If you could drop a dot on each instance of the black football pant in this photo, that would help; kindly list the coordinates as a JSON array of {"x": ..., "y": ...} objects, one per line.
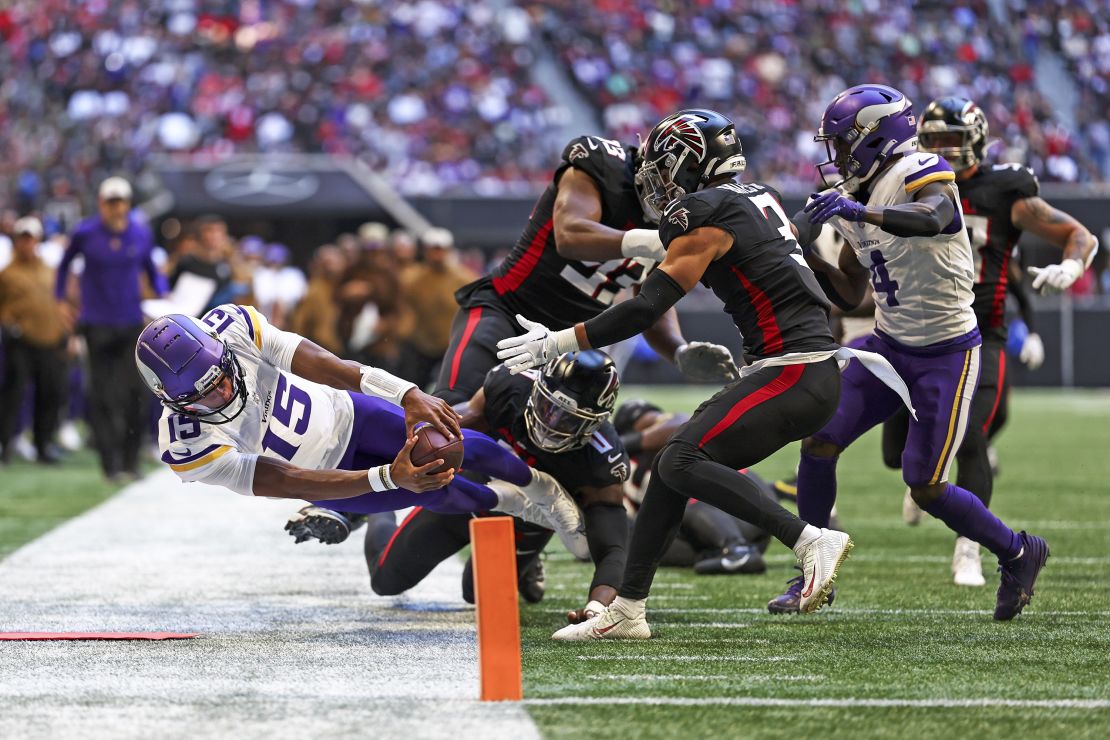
[
  {"x": 472, "y": 352},
  {"x": 25, "y": 363},
  {"x": 989, "y": 409},
  {"x": 738, "y": 427},
  {"x": 118, "y": 400},
  {"x": 399, "y": 557}
]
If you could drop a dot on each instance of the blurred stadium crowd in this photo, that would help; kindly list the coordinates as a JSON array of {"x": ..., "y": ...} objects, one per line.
[{"x": 439, "y": 95}]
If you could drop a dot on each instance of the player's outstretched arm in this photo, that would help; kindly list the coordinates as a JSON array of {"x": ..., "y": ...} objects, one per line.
[
  {"x": 687, "y": 259},
  {"x": 473, "y": 412},
  {"x": 579, "y": 233},
  {"x": 701, "y": 362},
  {"x": 278, "y": 479},
  {"x": 845, "y": 283},
  {"x": 313, "y": 362},
  {"x": 607, "y": 537},
  {"x": 1058, "y": 228},
  {"x": 931, "y": 210}
]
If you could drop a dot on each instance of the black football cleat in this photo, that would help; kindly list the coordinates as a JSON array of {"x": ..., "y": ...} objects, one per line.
[
  {"x": 532, "y": 584},
  {"x": 735, "y": 559},
  {"x": 1018, "y": 577},
  {"x": 786, "y": 489},
  {"x": 325, "y": 525}
]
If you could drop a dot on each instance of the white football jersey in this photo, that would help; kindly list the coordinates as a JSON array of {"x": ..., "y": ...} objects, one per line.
[
  {"x": 286, "y": 416},
  {"x": 922, "y": 284}
]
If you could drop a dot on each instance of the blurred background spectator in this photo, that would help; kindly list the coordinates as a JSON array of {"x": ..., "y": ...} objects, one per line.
[
  {"x": 34, "y": 336},
  {"x": 201, "y": 277},
  {"x": 317, "y": 315}
]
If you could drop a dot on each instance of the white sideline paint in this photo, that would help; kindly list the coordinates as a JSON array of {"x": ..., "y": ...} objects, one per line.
[
  {"x": 752, "y": 701},
  {"x": 696, "y": 658},
  {"x": 293, "y": 642},
  {"x": 852, "y": 611}
]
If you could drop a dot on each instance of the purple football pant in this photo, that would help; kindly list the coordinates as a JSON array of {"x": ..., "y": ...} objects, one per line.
[
  {"x": 941, "y": 388},
  {"x": 377, "y": 436}
]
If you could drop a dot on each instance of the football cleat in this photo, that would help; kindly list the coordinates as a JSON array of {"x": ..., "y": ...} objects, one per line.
[
  {"x": 787, "y": 602},
  {"x": 821, "y": 559},
  {"x": 547, "y": 505},
  {"x": 1018, "y": 577},
  {"x": 967, "y": 567},
  {"x": 912, "y": 514},
  {"x": 786, "y": 488},
  {"x": 610, "y": 624},
  {"x": 735, "y": 559},
  {"x": 531, "y": 583},
  {"x": 325, "y": 525}
]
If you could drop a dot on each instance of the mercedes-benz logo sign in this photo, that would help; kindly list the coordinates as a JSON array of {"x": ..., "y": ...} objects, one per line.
[{"x": 258, "y": 185}]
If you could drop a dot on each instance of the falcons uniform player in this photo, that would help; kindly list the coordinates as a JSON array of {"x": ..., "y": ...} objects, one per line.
[
  {"x": 999, "y": 201},
  {"x": 735, "y": 238},
  {"x": 266, "y": 412},
  {"x": 587, "y": 239},
  {"x": 901, "y": 217}
]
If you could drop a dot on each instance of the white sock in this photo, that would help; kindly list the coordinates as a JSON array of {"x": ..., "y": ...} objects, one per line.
[
  {"x": 629, "y": 607},
  {"x": 809, "y": 534}
]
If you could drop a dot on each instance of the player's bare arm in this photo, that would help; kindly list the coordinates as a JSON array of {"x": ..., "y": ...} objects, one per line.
[
  {"x": 473, "y": 412},
  {"x": 1058, "y": 228},
  {"x": 579, "y": 233},
  {"x": 845, "y": 283},
  {"x": 313, "y": 362},
  {"x": 278, "y": 479}
]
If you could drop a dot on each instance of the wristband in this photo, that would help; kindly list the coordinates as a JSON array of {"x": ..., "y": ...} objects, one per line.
[
  {"x": 643, "y": 243},
  {"x": 380, "y": 479},
  {"x": 377, "y": 382}
]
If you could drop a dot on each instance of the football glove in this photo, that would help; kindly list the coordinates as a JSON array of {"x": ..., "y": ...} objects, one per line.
[
  {"x": 644, "y": 244},
  {"x": 704, "y": 362},
  {"x": 1032, "y": 352},
  {"x": 1056, "y": 278},
  {"x": 833, "y": 203},
  {"x": 536, "y": 347}
]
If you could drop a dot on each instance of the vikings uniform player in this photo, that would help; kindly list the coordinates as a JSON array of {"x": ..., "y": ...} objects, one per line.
[
  {"x": 266, "y": 412},
  {"x": 586, "y": 240},
  {"x": 999, "y": 201},
  {"x": 735, "y": 238},
  {"x": 900, "y": 214}
]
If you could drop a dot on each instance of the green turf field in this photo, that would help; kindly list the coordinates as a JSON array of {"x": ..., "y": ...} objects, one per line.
[
  {"x": 900, "y": 633},
  {"x": 35, "y": 498}
]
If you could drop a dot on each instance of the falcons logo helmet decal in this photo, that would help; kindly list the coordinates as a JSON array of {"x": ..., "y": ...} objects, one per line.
[
  {"x": 680, "y": 217},
  {"x": 683, "y": 131},
  {"x": 577, "y": 152}
]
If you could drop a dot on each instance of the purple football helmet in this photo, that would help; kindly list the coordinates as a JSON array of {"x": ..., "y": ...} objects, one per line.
[
  {"x": 191, "y": 371},
  {"x": 864, "y": 127}
]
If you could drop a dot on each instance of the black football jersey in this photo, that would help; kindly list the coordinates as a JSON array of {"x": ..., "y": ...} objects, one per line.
[
  {"x": 601, "y": 462},
  {"x": 534, "y": 280},
  {"x": 771, "y": 294},
  {"x": 988, "y": 197}
]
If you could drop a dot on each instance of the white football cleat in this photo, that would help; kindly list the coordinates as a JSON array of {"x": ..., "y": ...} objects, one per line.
[
  {"x": 563, "y": 514},
  {"x": 610, "y": 624},
  {"x": 967, "y": 567},
  {"x": 912, "y": 514},
  {"x": 512, "y": 500},
  {"x": 820, "y": 561}
]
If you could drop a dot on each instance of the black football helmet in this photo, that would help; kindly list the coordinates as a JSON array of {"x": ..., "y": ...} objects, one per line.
[
  {"x": 630, "y": 412},
  {"x": 956, "y": 129},
  {"x": 573, "y": 396},
  {"x": 682, "y": 154}
]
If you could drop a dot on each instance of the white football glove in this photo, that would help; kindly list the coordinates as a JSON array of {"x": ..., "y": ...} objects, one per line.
[
  {"x": 536, "y": 347},
  {"x": 1056, "y": 278},
  {"x": 643, "y": 243},
  {"x": 705, "y": 362},
  {"x": 1032, "y": 352}
]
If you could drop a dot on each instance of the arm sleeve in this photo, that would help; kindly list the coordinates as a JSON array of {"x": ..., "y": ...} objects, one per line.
[
  {"x": 659, "y": 292},
  {"x": 62, "y": 275},
  {"x": 216, "y": 465}
]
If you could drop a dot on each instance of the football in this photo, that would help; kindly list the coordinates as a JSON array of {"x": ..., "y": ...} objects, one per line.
[{"x": 432, "y": 445}]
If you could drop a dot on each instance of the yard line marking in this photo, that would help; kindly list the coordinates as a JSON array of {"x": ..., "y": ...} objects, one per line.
[
  {"x": 725, "y": 658},
  {"x": 752, "y": 701},
  {"x": 718, "y": 640},
  {"x": 688, "y": 677},
  {"x": 705, "y": 625},
  {"x": 860, "y": 610}
]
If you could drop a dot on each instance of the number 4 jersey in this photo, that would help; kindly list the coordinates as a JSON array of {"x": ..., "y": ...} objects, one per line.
[
  {"x": 534, "y": 280},
  {"x": 922, "y": 284},
  {"x": 285, "y": 417}
]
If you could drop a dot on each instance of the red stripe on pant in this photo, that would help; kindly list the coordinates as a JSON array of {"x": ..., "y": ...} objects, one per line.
[
  {"x": 778, "y": 385},
  {"x": 388, "y": 545},
  {"x": 1001, "y": 390},
  {"x": 472, "y": 320}
]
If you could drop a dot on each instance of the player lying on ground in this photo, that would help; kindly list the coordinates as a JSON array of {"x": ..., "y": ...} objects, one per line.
[
  {"x": 899, "y": 212},
  {"x": 734, "y": 237},
  {"x": 588, "y": 238},
  {"x": 709, "y": 540},
  {"x": 268, "y": 413},
  {"x": 1000, "y": 202},
  {"x": 557, "y": 420}
]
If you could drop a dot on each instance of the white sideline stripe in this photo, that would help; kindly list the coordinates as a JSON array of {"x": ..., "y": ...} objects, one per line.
[
  {"x": 686, "y": 677},
  {"x": 287, "y": 631},
  {"x": 752, "y": 701},
  {"x": 894, "y": 559},
  {"x": 697, "y": 658},
  {"x": 850, "y": 610}
]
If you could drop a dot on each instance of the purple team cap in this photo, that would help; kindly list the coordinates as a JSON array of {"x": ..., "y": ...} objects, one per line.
[
  {"x": 277, "y": 253},
  {"x": 252, "y": 246}
]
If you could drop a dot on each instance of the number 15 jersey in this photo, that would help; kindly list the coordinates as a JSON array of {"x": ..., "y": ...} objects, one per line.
[
  {"x": 922, "y": 284},
  {"x": 286, "y": 417}
]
